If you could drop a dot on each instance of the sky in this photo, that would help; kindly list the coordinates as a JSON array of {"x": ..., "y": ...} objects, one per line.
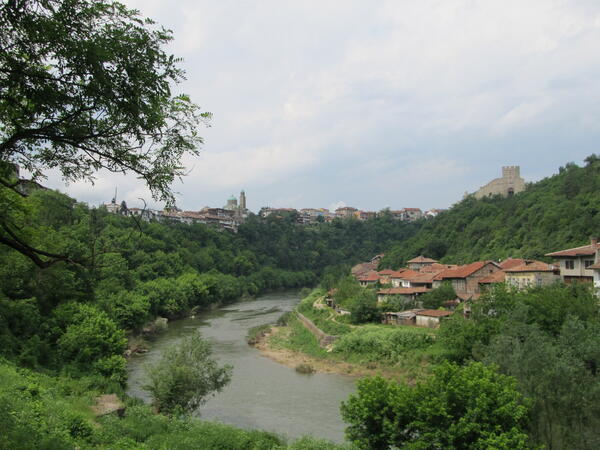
[{"x": 375, "y": 104}]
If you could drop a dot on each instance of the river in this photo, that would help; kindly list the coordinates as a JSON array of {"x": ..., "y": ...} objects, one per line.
[{"x": 262, "y": 394}]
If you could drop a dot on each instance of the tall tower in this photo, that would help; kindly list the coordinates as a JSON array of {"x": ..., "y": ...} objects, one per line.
[{"x": 243, "y": 201}]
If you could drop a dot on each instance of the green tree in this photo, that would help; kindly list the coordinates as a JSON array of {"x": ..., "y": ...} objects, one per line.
[
  {"x": 93, "y": 341},
  {"x": 437, "y": 297},
  {"x": 87, "y": 85},
  {"x": 456, "y": 408},
  {"x": 185, "y": 376}
]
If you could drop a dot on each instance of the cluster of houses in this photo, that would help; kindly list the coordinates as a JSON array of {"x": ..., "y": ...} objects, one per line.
[
  {"x": 312, "y": 215},
  {"x": 229, "y": 217},
  {"x": 580, "y": 264}
]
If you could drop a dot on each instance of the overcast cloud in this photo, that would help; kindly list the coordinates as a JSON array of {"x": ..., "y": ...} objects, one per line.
[{"x": 375, "y": 104}]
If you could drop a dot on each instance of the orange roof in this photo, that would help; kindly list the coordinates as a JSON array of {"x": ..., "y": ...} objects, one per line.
[
  {"x": 405, "y": 274},
  {"x": 422, "y": 259},
  {"x": 424, "y": 277},
  {"x": 533, "y": 266},
  {"x": 585, "y": 250},
  {"x": 387, "y": 272},
  {"x": 496, "y": 277},
  {"x": 403, "y": 290},
  {"x": 464, "y": 271},
  {"x": 595, "y": 266},
  {"x": 369, "y": 276},
  {"x": 437, "y": 267},
  {"x": 362, "y": 268},
  {"x": 434, "y": 313},
  {"x": 509, "y": 263}
]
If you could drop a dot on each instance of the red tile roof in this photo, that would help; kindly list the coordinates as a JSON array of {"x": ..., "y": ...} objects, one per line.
[
  {"x": 496, "y": 277},
  {"x": 585, "y": 250},
  {"x": 434, "y": 313},
  {"x": 369, "y": 276},
  {"x": 595, "y": 266},
  {"x": 509, "y": 263},
  {"x": 405, "y": 274},
  {"x": 362, "y": 268},
  {"x": 422, "y": 259},
  {"x": 464, "y": 271},
  {"x": 403, "y": 291},
  {"x": 387, "y": 272},
  {"x": 437, "y": 267},
  {"x": 533, "y": 266},
  {"x": 424, "y": 278}
]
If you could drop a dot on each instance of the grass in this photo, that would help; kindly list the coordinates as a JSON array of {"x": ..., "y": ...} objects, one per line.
[
  {"x": 255, "y": 333},
  {"x": 299, "y": 339},
  {"x": 403, "y": 349}
]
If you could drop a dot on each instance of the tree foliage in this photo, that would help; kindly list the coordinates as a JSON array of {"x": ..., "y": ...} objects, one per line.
[
  {"x": 185, "y": 376},
  {"x": 456, "y": 408},
  {"x": 87, "y": 85}
]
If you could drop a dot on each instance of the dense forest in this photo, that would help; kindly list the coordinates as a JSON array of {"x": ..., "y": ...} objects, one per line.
[{"x": 560, "y": 211}]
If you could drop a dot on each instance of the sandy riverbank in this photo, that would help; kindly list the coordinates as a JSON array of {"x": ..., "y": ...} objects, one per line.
[{"x": 293, "y": 359}]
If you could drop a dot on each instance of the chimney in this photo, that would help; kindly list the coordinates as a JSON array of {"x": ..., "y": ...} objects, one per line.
[{"x": 594, "y": 242}]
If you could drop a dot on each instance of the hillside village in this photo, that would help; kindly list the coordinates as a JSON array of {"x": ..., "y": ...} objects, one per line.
[{"x": 422, "y": 275}]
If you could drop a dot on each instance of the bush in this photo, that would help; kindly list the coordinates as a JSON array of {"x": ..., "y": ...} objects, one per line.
[
  {"x": 92, "y": 336},
  {"x": 185, "y": 376}
]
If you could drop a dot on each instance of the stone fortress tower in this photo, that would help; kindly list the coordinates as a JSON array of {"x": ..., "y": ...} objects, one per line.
[{"x": 510, "y": 183}]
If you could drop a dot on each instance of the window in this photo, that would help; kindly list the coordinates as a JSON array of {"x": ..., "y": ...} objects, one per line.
[
  {"x": 588, "y": 262},
  {"x": 569, "y": 264}
]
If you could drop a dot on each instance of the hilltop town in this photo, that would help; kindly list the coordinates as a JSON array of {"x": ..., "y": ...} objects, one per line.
[{"x": 234, "y": 212}]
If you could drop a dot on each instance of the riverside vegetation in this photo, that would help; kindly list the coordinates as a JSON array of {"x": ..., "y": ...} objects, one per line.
[
  {"x": 77, "y": 282},
  {"x": 521, "y": 372}
]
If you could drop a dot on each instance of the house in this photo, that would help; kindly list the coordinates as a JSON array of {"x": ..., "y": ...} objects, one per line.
[
  {"x": 494, "y": 278},
  {"x": 345, "y": 212},
  {"x": 407, "y": 293},
  {"x": 422, "y": 279},
  {"x": 431, "y": 318},
  {"x": 465, "y": 279},
  {"x": 596, "y": 269},
  {"x": 532, "y": 273},
  {"x": 575, "y": 263},
  {"x": 509, "y": 263},
  {"x": 401, "y": 278},
  {"x": 437, "y": 268},
  {"x": 368, "y": 279},
  {"x": 419, "y": 262},
  {"x": 363, "y": 268},
  {"x": 408, "y": 317},
  {"x": 411, "y": 214},
  {"x": 384, "y": 276}
]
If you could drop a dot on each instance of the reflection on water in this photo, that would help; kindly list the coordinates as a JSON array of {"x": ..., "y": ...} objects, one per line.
[{"x": 262, "y": 393}]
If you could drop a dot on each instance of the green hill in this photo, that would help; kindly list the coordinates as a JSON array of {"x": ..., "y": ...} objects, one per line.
[{"x": 557, "y": 212}]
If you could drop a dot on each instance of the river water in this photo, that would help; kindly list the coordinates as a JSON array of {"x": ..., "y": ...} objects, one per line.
[{"x": 262, "y": 394}]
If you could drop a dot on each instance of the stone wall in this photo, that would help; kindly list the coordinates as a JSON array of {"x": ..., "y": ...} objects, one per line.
[
  {"x": 323, "y": 338},
  {"x": 510, "y": 183}
]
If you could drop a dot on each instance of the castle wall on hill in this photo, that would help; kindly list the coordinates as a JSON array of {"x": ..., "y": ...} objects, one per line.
[{"x": 510, "y": 183}]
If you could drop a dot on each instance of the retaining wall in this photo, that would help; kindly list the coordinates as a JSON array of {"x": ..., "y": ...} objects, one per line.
[{"x": 323, "y": 338}]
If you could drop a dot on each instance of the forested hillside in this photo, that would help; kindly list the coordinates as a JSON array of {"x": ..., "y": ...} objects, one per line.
[{"x": 557, "y": 212}]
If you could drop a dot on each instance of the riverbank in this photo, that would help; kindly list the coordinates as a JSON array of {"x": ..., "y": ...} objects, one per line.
[
  {"x": 394, "y": 352},
  {"x": 293, "y": 359}
]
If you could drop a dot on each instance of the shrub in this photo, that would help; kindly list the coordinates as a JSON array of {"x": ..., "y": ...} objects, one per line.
[{"x": 185, "y": 376}]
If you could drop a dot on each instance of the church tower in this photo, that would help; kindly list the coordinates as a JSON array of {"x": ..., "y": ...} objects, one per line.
[{"x": 243, "y": 201}]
